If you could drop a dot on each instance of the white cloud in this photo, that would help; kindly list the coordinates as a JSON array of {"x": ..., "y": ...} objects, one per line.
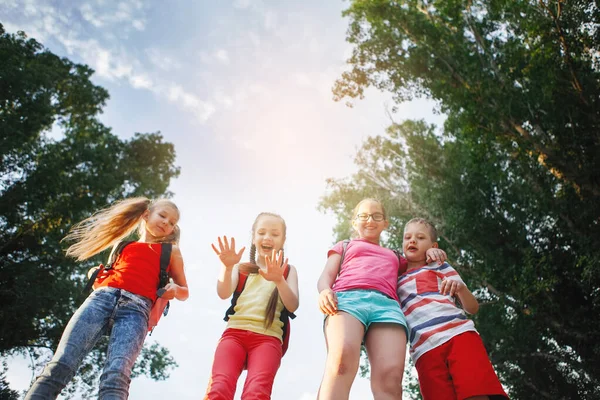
[
  {"x": 103, "y": 14},
  {"x": 108, "y": 54},
  {"x": 201, "y": 109},
  {"x": 161, "y": 60},
  {"x": 140, "y": 81}
]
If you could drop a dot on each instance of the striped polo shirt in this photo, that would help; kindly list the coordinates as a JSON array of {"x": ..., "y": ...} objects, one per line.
[{"x": 432, "y": 318}]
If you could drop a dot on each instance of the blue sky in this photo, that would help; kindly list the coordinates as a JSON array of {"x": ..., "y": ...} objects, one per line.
[{"x": 243, "y": 90}]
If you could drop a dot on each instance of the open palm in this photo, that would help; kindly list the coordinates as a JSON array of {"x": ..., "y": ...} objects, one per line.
[
  {"x": 226, "y": 252},
  {"x": 276, "y": 266}
]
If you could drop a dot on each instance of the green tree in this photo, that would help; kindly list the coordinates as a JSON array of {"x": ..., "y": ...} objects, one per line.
[
  {"x": 46, "y": 185},
  {"x": 511, "y": 179}
]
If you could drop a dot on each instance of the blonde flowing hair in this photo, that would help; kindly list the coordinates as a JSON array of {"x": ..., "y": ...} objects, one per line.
[
  {"x": 109, "y": 226},
  {"x": 252, "y": 268}
]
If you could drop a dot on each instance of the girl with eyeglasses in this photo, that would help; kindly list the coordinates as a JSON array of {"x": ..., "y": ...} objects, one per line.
[{"x": 357, "y": 294}]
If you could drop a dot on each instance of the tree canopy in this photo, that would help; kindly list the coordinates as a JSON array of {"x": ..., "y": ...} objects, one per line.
[
  {"x": 58, "y": 165},
  {"x": 511, "y": 179}
]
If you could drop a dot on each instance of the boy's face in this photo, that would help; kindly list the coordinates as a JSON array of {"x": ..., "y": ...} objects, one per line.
[{"x": 417, "y": 240}]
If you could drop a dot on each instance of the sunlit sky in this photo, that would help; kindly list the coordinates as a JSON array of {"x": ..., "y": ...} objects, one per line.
[{"x": 243, "y": 90}]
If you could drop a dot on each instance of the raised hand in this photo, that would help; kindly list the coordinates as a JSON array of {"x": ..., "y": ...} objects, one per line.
[
  {"x": 227, "y": 254},
  {"x": 275, "y": 266}
]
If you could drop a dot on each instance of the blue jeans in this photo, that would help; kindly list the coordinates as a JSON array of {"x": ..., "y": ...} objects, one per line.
[{"x": 121, "y": 313}]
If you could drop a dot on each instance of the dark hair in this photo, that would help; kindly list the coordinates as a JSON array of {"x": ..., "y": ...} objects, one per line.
[{"x": 252, "y": 268}]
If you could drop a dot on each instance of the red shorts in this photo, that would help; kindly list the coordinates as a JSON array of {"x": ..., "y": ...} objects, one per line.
[{"x": 457, "y": 370}]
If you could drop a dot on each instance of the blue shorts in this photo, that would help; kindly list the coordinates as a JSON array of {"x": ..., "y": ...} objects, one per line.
[{"x": 371, "y": 306}]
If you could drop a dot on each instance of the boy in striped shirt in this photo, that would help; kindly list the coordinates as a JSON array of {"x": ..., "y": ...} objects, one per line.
[{"x": 448, "y": 353}]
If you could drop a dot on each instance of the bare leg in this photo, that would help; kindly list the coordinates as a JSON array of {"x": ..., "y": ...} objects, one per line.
[
  {"x": 343, "y": 334},
  {"x": 386, "y": 348}
]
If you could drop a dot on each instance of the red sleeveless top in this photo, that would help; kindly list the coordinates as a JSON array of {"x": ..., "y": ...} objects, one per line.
[{"x": 136, "y": 270}]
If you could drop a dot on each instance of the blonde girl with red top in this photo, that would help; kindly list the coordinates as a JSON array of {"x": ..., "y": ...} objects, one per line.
[
  {"x": 254, "y": 333},
  {"x": 123, "y": 296}
]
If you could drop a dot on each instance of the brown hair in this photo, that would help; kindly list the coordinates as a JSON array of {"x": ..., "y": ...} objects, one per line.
[
  {"x": 252, "y": 268},
  {"x": 110, "y": 225},
  {"x": 429, "y": 225}
]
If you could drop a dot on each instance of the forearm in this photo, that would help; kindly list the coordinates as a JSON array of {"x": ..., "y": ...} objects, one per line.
[
  {"x": 182, "y": 293},
  {"x": 468, "y": 301},
  {"x": 224, "y": 286},
  {"x": 289, "y": 298},
  {"x": 325, "y": 282}
]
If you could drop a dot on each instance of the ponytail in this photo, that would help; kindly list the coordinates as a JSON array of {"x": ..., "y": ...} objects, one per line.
[{"x": 106, "y": 227}]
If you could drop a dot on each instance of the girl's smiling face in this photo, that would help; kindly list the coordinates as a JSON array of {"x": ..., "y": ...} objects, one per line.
[
  {"x": 364, "y": 221},
  {"x": 268, "y": 235}
]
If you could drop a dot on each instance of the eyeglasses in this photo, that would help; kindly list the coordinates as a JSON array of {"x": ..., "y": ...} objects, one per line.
[{"x": 375, "y": 217}]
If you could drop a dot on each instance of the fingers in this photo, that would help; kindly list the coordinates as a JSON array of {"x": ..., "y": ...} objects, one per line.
[
  {"x": 328, "y": 302},
  {"x": 215, "y": 249},
  {"x": 449, "y": 287},
  {"x": 226, "y": 243},
  {"x": 239, "y": 254},
  {"x": 275, "y": 259}
]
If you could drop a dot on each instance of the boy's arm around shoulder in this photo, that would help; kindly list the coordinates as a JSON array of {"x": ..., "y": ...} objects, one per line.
[
  {"x": 288, "y": 290},
  {"x": 179, "y": 287}
]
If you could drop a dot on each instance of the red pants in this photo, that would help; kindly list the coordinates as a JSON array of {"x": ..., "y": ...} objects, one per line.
[
  {"x": 457, "y": 370},
  {"x": 262, "y": 355}
]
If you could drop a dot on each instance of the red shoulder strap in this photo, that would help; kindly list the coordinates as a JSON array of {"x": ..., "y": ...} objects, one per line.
[{"x": 242, "y": 278}]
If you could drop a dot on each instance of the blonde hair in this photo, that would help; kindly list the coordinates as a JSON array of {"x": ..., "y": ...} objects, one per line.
[
  {"x": 109, "y": 226},
  {"x": 252, "y": 268},
  {"x": 355, "y": 210},
  {"x": 432, "y": 230}
]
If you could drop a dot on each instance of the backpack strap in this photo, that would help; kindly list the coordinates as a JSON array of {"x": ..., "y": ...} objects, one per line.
[
  {"x": 114, "y": 254},
  {"x": 242, "y": 279},
  {"x": 344, "y": 248},
  {"x": 163, "y": 275}
]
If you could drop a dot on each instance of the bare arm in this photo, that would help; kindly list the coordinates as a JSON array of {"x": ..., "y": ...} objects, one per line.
[
  {"x": 457, "y": 287},
  {"x": 468, "y": 301},
  {"x": 227, "y": 281},
  {"x": 177, "y": 289},
  {"x": 329, "y": 273},
  {"x": 327, "y": 297},
  {"x": 228, "y": 275},
  {"x": 288, "y": 290}
]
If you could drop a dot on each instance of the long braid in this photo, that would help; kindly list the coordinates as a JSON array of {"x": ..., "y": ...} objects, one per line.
[
  {"x": 252, "y": 268},
  {"x": 253, "y": 253}
]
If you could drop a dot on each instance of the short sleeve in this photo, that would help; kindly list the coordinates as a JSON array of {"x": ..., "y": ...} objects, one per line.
[{"x": 336, "y": 249}]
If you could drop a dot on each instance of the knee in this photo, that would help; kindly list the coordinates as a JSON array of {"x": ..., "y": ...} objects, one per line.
[
  {"x": 114, "y": 381},
  {"x": 387, "y": 383},
  {"x": 220, "y": 387},
  {"x": 343, "y": 362}
]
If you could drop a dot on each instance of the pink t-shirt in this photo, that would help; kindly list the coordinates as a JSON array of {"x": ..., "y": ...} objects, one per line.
[{"x": 368, "y": 266}]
